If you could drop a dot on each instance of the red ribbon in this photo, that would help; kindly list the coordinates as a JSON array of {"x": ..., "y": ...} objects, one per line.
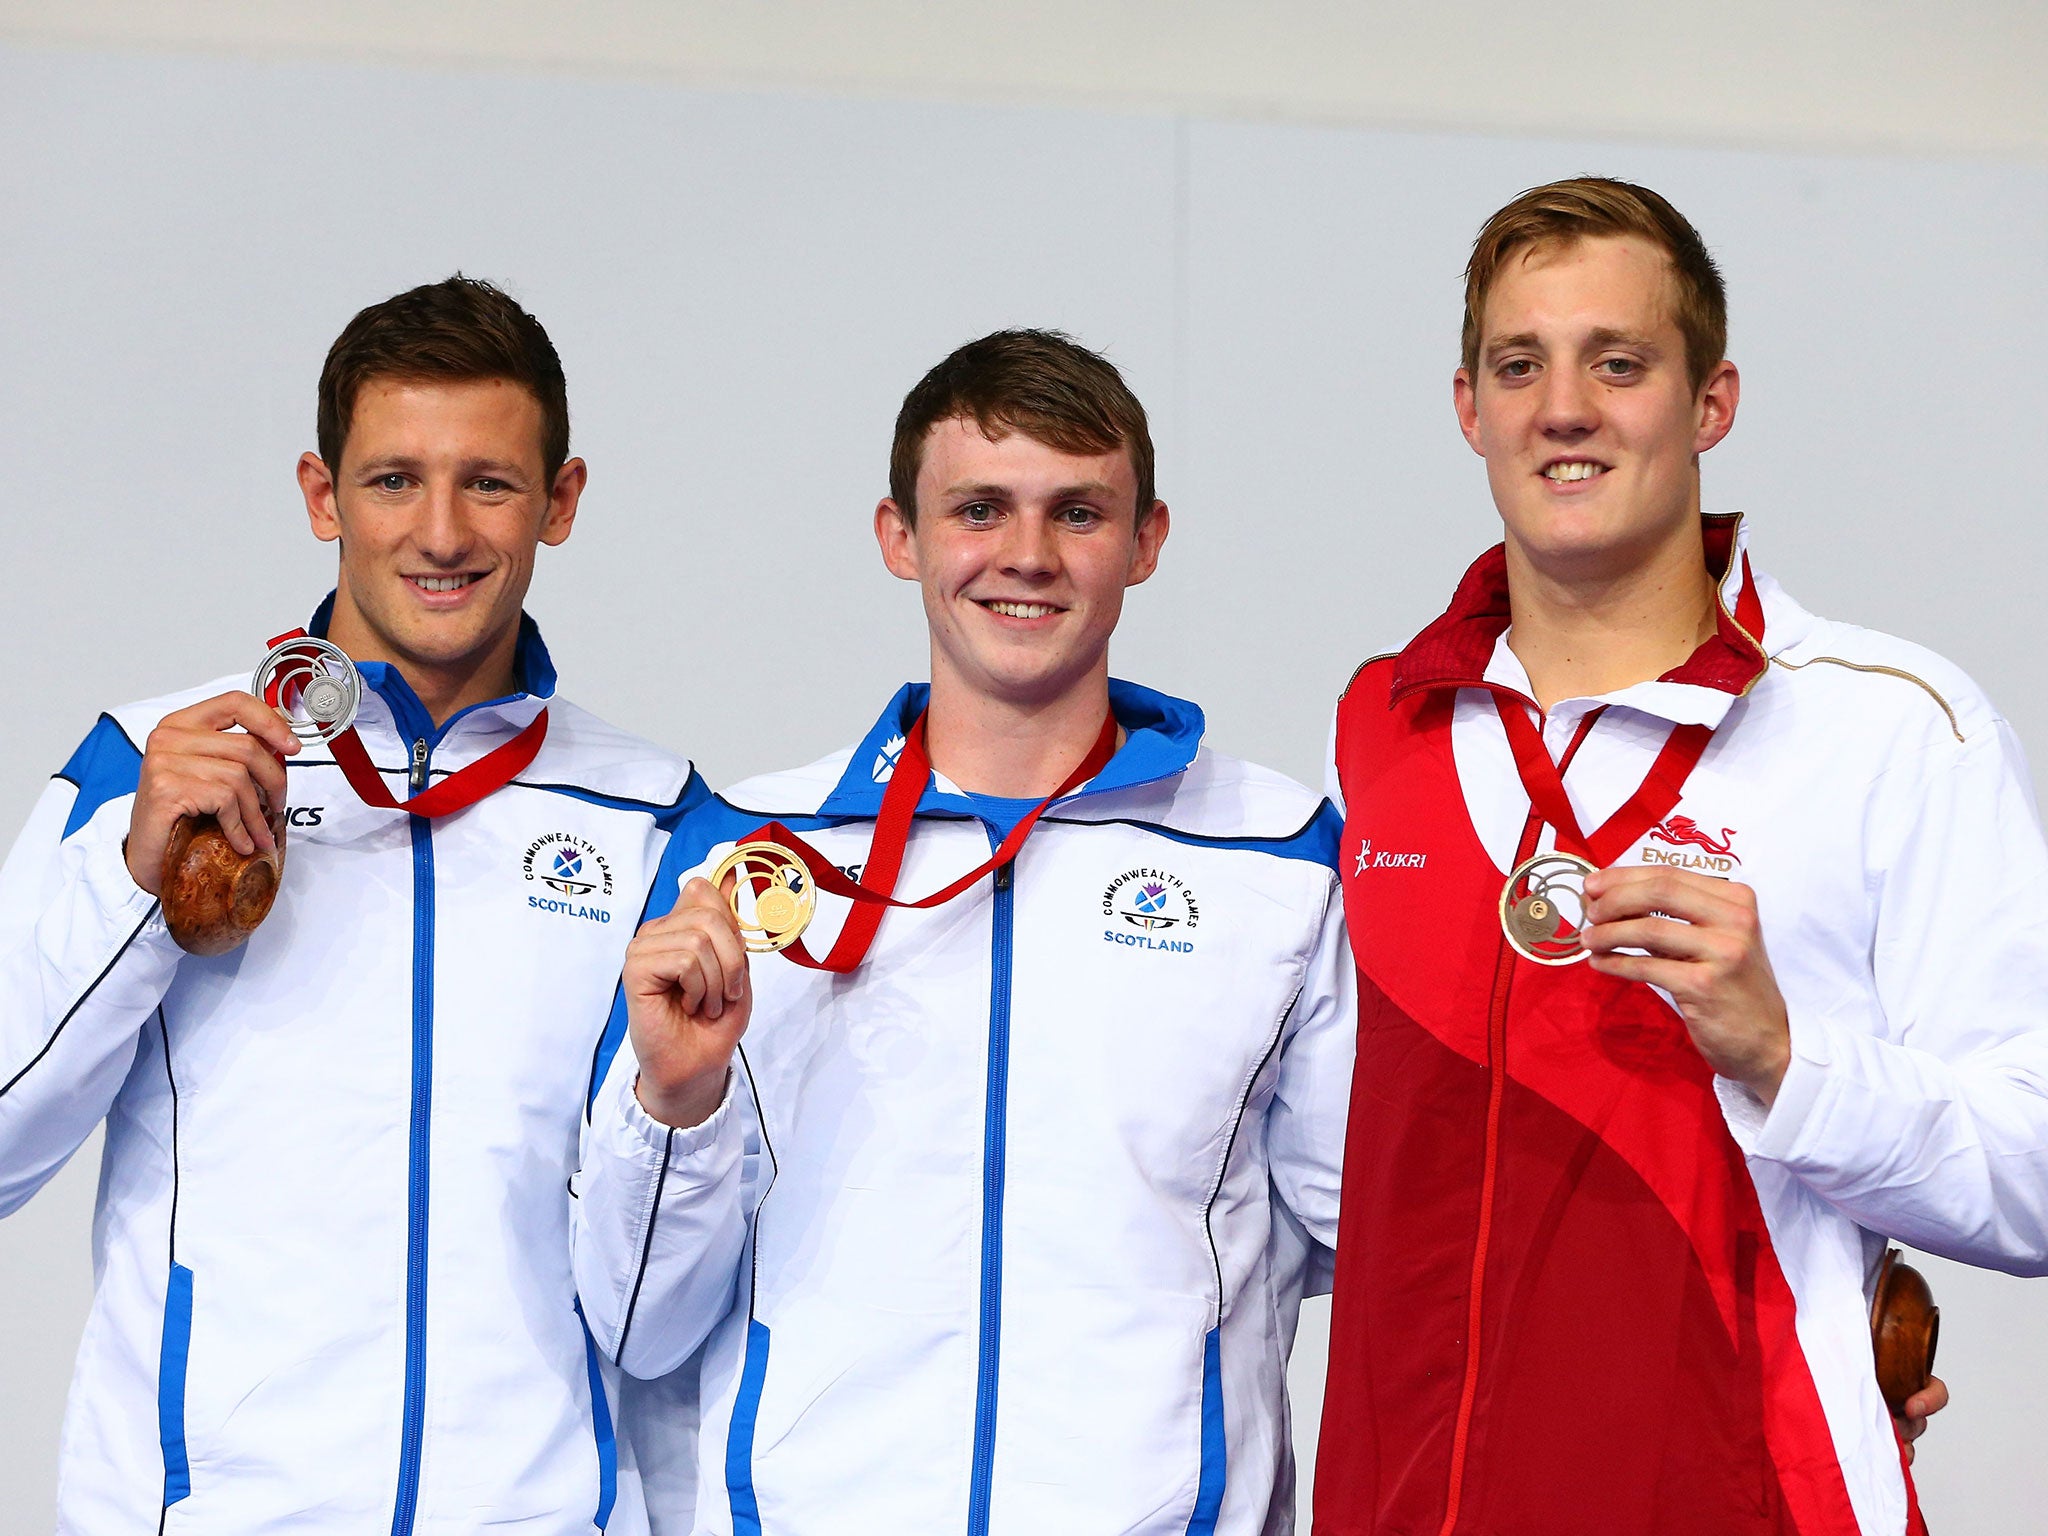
[
  {"x": 874, "y": 893},
  {"x": 461, "y": 789},
  {"x": 1654, "y": 797}
]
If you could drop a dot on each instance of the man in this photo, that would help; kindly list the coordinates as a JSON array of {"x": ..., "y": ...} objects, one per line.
[
  {"x": 332, "y": 1257},
  {"x": 1610, "y": 1228},
  {"x": 999, "y": 1228}
]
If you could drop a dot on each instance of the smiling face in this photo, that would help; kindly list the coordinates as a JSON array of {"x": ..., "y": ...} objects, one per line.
[
  {"x": 1582, "y": 407},
  {"x": 439, "y": 503},
  {"x": 1023, "y": 553}
]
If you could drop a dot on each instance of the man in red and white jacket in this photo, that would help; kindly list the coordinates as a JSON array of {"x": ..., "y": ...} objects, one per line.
[{"x": 1802, "y": 865}]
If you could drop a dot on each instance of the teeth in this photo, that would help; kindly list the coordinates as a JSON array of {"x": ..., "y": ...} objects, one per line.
[
  {"x": 1579, "y": 470},
  {"x": 441, "y": 583},
  {"x": 1023, "y": 610}
]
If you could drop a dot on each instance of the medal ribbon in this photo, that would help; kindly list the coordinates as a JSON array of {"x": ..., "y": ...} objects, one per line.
[
  {"x": 1654, "y": 797},
  {"x": 463, "y": 788},
  {"x": 874, "y": 893}
]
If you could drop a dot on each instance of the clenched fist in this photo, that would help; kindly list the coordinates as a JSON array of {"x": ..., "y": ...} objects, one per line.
[
  {"x": 196, "y": 764},
  {"x": 688, "y": 998}
]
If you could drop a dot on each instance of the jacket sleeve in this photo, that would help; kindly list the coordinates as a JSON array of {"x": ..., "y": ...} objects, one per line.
[
  {"x": 1305, "y": 1124},
  {"x": 85, "y": 960},
  {"x": 1921, "y": 1109},
  {"x": 660, "y": 1216}
]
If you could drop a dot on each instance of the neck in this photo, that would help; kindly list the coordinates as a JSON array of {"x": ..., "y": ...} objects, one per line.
[
  {"x": 1581, "y": 634},
  {"x": 445, "y": 689},
  {"x": 1019, "y": 751}
]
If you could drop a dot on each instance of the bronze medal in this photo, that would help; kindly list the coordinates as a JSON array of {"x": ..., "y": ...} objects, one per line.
[{"x": 1543, "y": 907}]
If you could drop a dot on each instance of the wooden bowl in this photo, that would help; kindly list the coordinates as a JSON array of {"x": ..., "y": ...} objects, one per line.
[{"x": 213, "y": 897}]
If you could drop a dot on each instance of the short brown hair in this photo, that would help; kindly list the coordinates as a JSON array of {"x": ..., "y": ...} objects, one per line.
[
  {"x": 1041, "y": 383},
  {"x": 457, "y": 329},
  {"x": 1568, "y": 211}
]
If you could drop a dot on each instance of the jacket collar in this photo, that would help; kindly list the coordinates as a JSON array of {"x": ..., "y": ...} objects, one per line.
[
  {"x": 1161, "y": 736},
  {"x": 533, "y": 668},
  {"x": 1465, "y": 646}
]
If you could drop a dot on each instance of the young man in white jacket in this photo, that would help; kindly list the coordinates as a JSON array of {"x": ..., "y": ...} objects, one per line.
[
  {"x": 1702, "y": 948},
  {"x": 997, "y": 1225},
  {"x": 331, "y": 1250}
]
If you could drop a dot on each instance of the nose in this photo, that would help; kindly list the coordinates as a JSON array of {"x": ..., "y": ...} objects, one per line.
[
  {"x": 442, "y": 531},
  {"x": 1029, "y": 549},
  {"x": 1569, "y": 407}
]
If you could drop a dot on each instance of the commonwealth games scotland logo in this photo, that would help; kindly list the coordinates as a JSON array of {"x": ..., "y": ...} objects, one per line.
[
  {"x": 1150, "y": 909},
  {"x": 564, "y": 862}
]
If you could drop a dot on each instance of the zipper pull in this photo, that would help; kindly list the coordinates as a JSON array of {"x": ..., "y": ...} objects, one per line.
[
  {"x": 1003, "y": 875},
  {"x": 418, "y": 777}
]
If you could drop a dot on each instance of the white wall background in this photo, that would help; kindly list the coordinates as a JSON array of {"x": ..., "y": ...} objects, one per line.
[{"x": 742, "y": 287}]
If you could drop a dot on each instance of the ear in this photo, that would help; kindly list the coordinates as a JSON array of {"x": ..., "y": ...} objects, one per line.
[
  {"x": 563, "y": 497},
  {"x": 1152, "y": 531},
  {"x": 1719, "y": 396},
  {"x": 897, "y": 536},
  {"x": 1465, "y": 400},
  {"x": 316, "y": 484}
]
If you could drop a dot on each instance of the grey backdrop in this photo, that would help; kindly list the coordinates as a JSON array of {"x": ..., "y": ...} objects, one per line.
[{"x": 742, "y": 288}]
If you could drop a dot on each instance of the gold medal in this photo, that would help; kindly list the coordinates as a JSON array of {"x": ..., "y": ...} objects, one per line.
[
  {"x": 1543, "y": 907},
  {"x": 776, "y": 886}
]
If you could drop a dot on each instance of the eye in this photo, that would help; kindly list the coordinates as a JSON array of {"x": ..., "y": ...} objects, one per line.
[
  {"x": 393, "y": 483},
  {"x": 977, "y": 514},
  {"x": 1516, "y": 368},
  {"x": 492, "y": 487},
  {"x": 1614, "y": 368},
  {"x": 1079, "y": 516}
]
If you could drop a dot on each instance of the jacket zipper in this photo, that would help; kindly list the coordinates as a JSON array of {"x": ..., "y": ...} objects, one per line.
[
  {"x": 413, "y": 1424},
  {"x": 1496, "y": 1089},
  {"x": 995, "y": 1117}
]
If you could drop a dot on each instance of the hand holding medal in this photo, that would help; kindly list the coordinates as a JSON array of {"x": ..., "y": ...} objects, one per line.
[
  {"x": 686, "y": 982},
  {"x": 209, "y": 817},
  {"x": 209, "y": 814}
]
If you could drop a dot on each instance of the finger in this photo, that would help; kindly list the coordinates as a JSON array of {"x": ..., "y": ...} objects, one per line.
[
  {"x": 1678, "y": 977},
  {"x": 227, "y": 710},
  {"x": 233, "y": 817},
  {"x": 1658, "y": 935},
  {"x": 660, "y": 966},
  {"x": 689, "y": 957},
  {"x": 700, "y": 896},
  {"x": 1930, "y": 1399},
  {"x": 263, "y": 767},
  {"x": 704, "y": 946},
  {"x": 1613, "y": 894}
]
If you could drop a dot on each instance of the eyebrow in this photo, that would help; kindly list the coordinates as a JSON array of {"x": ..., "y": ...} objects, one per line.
[
  {"x": 1599, "y": 336},
  {"x": 406, "y": 462},
  {"x": 1607, "y": 336},
  {"x": 1085, "y": 490}
]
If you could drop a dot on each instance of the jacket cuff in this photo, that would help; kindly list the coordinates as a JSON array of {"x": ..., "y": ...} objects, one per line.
[
  {"x": 658, "y": 1137},
  {"x": 1777, "y": 1132},
  {"x": 104, "y": 870}
]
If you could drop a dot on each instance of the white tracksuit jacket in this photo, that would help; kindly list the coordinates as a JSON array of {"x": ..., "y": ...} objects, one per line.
[
  {"x": 331, "y": 1249},
  {"x": 1015, "y": 1211}
]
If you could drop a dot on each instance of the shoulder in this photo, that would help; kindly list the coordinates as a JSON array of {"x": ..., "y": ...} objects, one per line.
[
  {"x": 1865, "y": 680},
  {"x": 587, "y": 753},
  {"x": 135, "y": 721},
  {"x": 790, "y": 791},
  {"x": 1220, "y": 799},
  {"x": 107, "y": 763}
]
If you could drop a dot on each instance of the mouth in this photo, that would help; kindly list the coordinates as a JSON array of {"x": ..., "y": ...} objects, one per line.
[
  {"x": 1017, "y": 610},
  {"x": 437, "y": 586},
  {"x": 1570, "y": 471}
]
